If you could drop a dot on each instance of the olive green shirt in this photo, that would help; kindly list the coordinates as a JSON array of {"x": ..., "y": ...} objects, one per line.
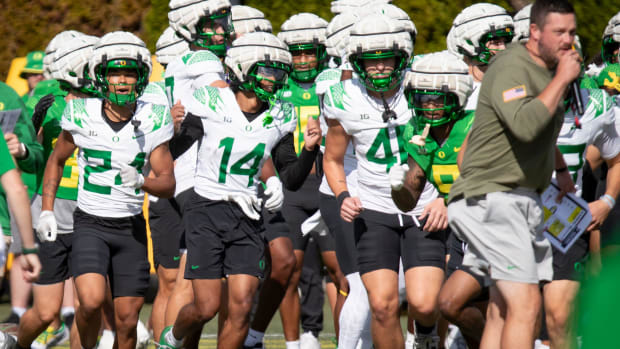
[{"x": 512, "y": 141}]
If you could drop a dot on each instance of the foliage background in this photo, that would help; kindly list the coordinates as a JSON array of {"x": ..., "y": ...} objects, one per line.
[{"x": 29, "y": 25}]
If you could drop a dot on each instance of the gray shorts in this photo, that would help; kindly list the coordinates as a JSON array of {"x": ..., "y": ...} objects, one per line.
[
  {"x": 504, "y": 235},
  {"x": 63, "y": 211}
]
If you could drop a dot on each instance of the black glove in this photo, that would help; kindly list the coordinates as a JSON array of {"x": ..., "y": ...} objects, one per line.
[{"x": 40, "y": 110}]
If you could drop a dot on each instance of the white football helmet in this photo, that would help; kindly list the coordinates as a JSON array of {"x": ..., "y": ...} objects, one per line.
[
  {"x": 170, "y": 45},
  {"x": 476, "y": 25},
  {"x": 343, "y": 6},
  {"x": 376, "y": 37},
  {"x": 441, "y": 78},
  {"x": 246, "y": 19},
  {"x": 611, "y": 40},
  {"x": 120, "y": 50},
  {"x": 394, "y": 12},
  {"x": 522, "y": 24},
  {"x": 338, "y": 31},
  {"x": 199, "y": 21},
  {"x": 70, "y": 64},
  {"x": 257, "y": 57},
  {"x": 305, "y": 31},
  {"x": 54, "y": 45}
]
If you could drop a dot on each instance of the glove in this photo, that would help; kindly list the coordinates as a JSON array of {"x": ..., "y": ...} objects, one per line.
[
  {"x": 130, "y": 177},
  {"x": 40, "y": 110},
  {"x": 274, "y": 194},
  {"x": 47, "y": 229},
  {"x": 250, "y": 205},
  {"x": 397, "y": 175}
]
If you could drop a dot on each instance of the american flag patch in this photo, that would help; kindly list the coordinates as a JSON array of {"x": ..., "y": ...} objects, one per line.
[{"x": 514, "y": 93}]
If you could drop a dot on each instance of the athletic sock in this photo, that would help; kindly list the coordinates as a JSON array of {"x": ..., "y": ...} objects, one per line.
[
  {"x": 292, "y": 345},
  {"x": 423, "y": 330},
  {"x": 410, "y": 341},
  {"x": 171, "y": 339},
  {"x": 253, "y": 338},
  {"x": 64, "y": 311},
  {"x": 19, "y": 311},
  {"x": 355, "y": 313}
]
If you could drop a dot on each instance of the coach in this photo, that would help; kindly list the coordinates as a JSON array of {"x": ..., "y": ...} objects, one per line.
[{"x": 510, "y": 156}]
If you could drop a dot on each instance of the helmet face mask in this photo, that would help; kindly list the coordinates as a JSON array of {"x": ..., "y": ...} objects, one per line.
[
  {"x": 216, "y": 25},
  {"x": 379, "y": 82},
  {"x": 434, "y": 107},
  {"x": 307, "y": 71},
  {"x": 610, "y": 51},
  {"x": 493, "y": 38},
  {"x": 265, "y": 79},
  {"x": 109, "y": 76}
]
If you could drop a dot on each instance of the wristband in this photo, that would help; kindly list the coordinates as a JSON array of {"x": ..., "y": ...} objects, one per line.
[
  {"x": 33, "y": 250},
  {"x": 561, "y": 169},
  {"x": 609, "y": 200},
  {"x": 345, "y": 194},
  {"x": 343, "y": 293}
]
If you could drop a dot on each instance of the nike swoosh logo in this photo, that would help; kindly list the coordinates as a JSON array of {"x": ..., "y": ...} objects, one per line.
[
  {"x": 456, "y": 150},
  {"x": 194, "y": 267},
  {"x": 176, "y": 258},
  {"x": 510, "y": 267}
]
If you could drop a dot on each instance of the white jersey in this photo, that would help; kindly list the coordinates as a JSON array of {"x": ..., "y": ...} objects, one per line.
[
  {"x": 472, "y": 100},
  {"x": 183, "y": 76},
  {"x": 102, "y": 150},
  {"x": 596, "y": 127},
  {"x": 378, "y": 144},
  {"x": 233, "y": 150},
  {"x": 155, "y": 92},
  {"x": 324, "y": 80}
]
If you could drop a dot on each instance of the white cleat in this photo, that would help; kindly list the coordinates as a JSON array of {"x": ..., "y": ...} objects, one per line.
[
  {"x": 143, "y": 336},
  {"x": 309, "y": 341}
]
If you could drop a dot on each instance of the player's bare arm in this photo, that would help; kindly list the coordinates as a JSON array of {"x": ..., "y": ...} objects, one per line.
[
  {"x": 406, "y": 198},
  {"x": 163, "y": 183}
]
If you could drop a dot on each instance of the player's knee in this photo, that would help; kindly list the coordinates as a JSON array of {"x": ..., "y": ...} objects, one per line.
[
  {"x": 90, "y": 307},
  {"x": 384, "y": 309},
  {"x": 448, "y": 308},
  {"x": 48, "y": 315},
  {"x": 423, "y": 305},
  {"x": 282, "y": 269},
  {"x": 557, "y": 318},
  {"x": 207, "y": 310},
  {"x": 126, "y": 320}
]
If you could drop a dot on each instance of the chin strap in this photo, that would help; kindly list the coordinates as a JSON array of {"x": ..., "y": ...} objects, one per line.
[{"x": 387, "y": 113}]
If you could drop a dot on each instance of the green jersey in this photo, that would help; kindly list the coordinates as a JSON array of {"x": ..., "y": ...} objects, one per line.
[
  {"x": 306, "y": 104},
  {"x": 439, "y": 161},
  {"x": 68, "y": 187}
]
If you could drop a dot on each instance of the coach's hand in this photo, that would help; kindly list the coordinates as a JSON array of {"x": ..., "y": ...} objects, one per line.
[
  {"x": 31, "y": 266},
  {"x": 47, "y": 228}
]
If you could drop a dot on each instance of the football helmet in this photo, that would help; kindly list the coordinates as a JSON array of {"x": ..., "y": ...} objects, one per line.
[
  {"x": 70, "y": 64},
  {"x": 301, "y": 32},
  {"x": 611, "y": 40},
  {"x": 203, "y": 23},
  {"x": 258, "y": 62},
  {"x": 478, "y": 24},
  {"x": 437, "y": 88},
  {"x": 120, "y": 50},
  {"x": 53, "y": 46},
  {"x": 246, "y": 19},
  {"x": 170, "y": 45},
  {"x": 379, "y": 37},
  {"x": 522, "y": 24}
]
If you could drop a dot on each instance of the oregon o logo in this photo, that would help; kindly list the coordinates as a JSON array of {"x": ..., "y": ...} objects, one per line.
[
  {"x": 306, "y": 95},
  {"x": 248, "y": 128},
  {"x": 441, "y": 154},
  {"x": 261, "y": 264},
  {"x": 1, "y": 106},
  {"x": 115, "y": 139},
  {"x": 37, "y": 56}
]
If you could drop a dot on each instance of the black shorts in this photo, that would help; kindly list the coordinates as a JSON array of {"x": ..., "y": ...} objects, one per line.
[
  {"x": 382, "y": 239},
  {"x": 221, "y": 240},
  {"x": 181, "y": 201},
  {"x": 570, "y": 266},
  {"x": 456, "y": 249},
  {"x": 116, "y": 247},
  {"x": 342, "y": 232},
  {"x": 299, "y": 206},
  {"x": 275, "y": 225},
  {"x": 55, "y": 257},
  {"x": 166, "y": 230}
]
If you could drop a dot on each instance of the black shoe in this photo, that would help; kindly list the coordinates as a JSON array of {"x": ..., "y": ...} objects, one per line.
[
  {"x": 68, "y": 320},
  {"x": 12, "y": 319},
  {"x": 258, "y": 345}
]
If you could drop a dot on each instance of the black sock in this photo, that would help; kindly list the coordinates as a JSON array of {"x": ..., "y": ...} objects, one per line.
[{"x": 419, "y": 328}]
